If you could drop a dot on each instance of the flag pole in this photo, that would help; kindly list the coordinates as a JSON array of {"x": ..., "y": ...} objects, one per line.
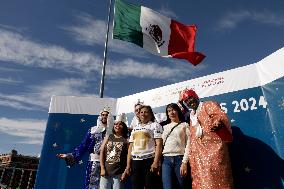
[{"x": 105, "y": 52}]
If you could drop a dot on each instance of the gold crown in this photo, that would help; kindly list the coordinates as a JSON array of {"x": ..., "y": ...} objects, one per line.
[
  {"x": 139, "y": 102},
  {"x": 105, "y": 109}
]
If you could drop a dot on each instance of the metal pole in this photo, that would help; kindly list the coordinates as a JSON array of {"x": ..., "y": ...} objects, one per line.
[{"x": 105, "y": 52}]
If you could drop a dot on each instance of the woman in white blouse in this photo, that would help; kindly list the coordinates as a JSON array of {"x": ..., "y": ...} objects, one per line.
[{"x": 175, "y": 148}]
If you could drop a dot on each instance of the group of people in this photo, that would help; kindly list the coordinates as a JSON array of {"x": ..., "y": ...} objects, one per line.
[{"x": 189, "y": 146}]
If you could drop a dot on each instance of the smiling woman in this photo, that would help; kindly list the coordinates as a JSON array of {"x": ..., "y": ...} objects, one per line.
[
  {"x": 175, "y": 149},
  {"x": 144, "y": 151},
  {"x": 113, "y": 156}
]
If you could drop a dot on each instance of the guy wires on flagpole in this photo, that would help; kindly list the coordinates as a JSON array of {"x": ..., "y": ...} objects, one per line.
[{"x": 105, "y": 52}]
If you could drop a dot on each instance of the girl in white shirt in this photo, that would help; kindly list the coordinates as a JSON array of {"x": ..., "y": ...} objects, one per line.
[{"x": 176, "y": 148}]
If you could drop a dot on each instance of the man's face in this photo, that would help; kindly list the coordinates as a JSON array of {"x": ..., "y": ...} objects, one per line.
[
  {"x": 104, "y": 117},
  {"x": 192, "y": 103},
  {"x": 137, "y": 109}
]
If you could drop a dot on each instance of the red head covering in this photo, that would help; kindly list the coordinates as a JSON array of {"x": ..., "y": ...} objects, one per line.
[{"x": 188, "y": 93}]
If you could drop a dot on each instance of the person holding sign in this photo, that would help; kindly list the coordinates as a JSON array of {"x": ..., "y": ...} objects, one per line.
[{"x": 210, "y": 133}]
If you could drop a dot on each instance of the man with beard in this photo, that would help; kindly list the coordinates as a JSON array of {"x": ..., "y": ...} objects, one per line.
[{"x": 91, "y": 144}]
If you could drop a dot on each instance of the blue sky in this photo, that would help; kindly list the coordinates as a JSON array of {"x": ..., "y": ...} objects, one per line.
[{"x": 55, "y": 47}]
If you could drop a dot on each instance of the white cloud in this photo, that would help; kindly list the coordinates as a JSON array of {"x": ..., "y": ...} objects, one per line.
[
  {"x": 29, "y": 131},
  {"x": 21, "y": 50},
  {"x": 39, "y": 97},
  {"x": 167, "y": 12},
  {"x": 12, "y": 28},
  {"x": 4, "y": 69},
  {"x": 10, "y": 81},
  {"x": 268, "y": 17},
  {"x": 14, "y": 102},
  {"x": 232, "y": 19},
  {"x": 91, "y": 31},
  {"x": 74, "y": 87},
  {"x": 130, "y": 67}
]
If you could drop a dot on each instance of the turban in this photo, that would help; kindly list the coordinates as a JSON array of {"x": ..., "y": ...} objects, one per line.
[{"x": 185, "y": 94}]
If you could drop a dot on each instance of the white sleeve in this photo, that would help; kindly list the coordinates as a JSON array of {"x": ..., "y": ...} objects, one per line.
[
  {"x": 157, "y": 130},
  {"x": 187, "y": 147},
  {"x": 131, "y": 137}
]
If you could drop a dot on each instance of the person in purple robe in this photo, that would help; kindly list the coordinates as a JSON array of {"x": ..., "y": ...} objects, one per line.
[{"x": 91, "y": 144}]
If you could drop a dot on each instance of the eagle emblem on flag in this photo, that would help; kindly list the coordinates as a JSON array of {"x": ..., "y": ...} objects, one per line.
[{"x": 156, "y": 33}]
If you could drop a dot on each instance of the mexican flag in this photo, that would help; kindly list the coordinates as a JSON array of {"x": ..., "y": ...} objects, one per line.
[{"x": 154, "y": 32}]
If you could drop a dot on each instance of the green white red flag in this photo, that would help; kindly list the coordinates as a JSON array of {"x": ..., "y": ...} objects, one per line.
[{"x": 154, "y": 32}]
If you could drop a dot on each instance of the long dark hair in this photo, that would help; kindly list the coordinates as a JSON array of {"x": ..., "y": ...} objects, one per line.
[
  {"x": 124, "y": 130},
  {"x": 175, "y": 107},
  {"x": 150, "y": 111}
]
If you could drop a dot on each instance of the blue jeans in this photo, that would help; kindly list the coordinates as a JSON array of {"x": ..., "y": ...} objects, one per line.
[
  {"x": 171, "y": 172},
  {"x": 111, "y": 182}
]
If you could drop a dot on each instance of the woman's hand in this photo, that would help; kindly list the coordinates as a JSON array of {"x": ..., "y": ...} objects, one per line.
[
  {"x": 154, "y": 167},
  {"x": 61, "y": 156},
  {"x": 125, "y": 174},
  {"x": 127, "y": 170},
  {"x": 103, "y": 172},
  {"x": 183, "y": 169}
]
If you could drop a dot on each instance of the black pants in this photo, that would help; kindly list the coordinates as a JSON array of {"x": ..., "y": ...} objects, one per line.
[{"x": 141, "y": 175}]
